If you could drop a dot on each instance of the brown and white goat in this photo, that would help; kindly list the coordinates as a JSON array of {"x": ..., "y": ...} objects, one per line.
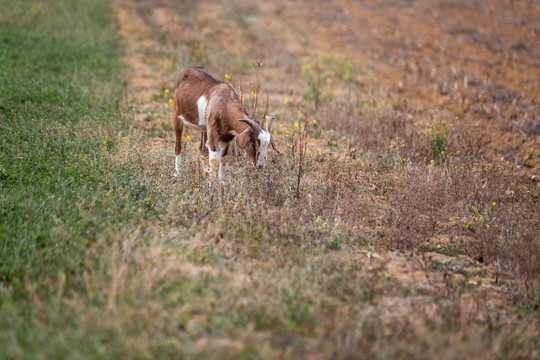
[{"x": 211, "y": 106}]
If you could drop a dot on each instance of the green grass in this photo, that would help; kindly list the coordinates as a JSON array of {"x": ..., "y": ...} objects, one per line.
[
  {"x": 446, "y": 250},
  {"x": 59, "y": 99}
]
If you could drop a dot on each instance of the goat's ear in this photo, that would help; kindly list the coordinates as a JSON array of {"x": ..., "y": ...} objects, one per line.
[
  {"x": 274, "y": 144},
  {"x": 242, "y": 139}
]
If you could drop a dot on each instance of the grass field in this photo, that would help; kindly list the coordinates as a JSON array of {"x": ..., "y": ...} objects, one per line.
[
  {"x": 61, "y": 121},
  {"x": 379, "y": 232}
]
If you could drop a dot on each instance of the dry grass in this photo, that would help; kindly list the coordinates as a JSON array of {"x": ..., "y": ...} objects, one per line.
[
  {"x": 251, "y": 262},
  {"x": 458, "y": 194},
  {"x": 350, "y": 262}
]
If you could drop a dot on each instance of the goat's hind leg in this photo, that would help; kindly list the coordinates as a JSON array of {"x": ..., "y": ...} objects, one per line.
[{"x": 178, "y": 129}]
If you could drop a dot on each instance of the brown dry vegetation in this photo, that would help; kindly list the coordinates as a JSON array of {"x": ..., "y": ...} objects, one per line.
[{"x": 389, "y": 248}]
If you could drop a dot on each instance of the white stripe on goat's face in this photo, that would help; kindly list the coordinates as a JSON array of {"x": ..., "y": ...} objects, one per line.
[{"x": 264, "y": 138}]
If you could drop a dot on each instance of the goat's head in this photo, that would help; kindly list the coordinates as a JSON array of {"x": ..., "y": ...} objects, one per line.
[{"x": 255, "y": 140}]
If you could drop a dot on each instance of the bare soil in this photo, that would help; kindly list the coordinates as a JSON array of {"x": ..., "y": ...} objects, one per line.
[{"x": 475, "y": 60}]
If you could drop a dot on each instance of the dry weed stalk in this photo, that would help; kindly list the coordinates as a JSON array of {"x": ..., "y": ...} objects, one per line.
[
  {"x": 302, "y": 142},
  {"x": 266, "y": 107},
  {"x": 255, "y": 88}
]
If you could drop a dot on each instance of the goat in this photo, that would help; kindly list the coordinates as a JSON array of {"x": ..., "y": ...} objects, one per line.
[{"x": 211, "y": 106}]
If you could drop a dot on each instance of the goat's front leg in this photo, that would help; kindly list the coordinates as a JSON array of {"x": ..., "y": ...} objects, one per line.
[
  {"x": 223, "y": 148},
  {"x": 202, "y": 147},
  {"x": 211, "y": 144}
]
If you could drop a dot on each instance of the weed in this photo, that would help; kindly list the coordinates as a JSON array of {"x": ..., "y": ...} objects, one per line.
[
  {"x": 446, "y": 250},
  {"x": 315, "y": 78},
  {"x": 335, "y": 244},
  {"x": 438, "y": 132},
  {"x": 198, "y": 53}
]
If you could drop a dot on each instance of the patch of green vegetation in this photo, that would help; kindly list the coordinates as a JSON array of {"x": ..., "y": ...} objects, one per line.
[
  {"x": 463, "y": 263},
  {"x": 241, "y": 64},
  {"x": 198, "y": 54},
  {"x": 334, "y": 147},
  {"x": 54, "y": 119},
  {"x": 445, "y": 250},
  {"x": 342, "y": 68},
  {"x": 438, "y": 132},
  {"x": 320, "y": 72},
  {"x": 437, "y": 145},
  {"x": 60, "y": 123},
  {"x": 335, "y": 244},
  {"x": 454, "y": 265}
]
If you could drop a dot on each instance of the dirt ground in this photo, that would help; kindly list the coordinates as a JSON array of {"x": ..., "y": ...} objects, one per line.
[{"x": 474, "y": 62}]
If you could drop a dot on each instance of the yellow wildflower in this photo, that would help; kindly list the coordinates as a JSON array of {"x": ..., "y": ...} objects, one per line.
[
  {"x": 295, "y": 125},
  {"x": 227, "y": 76},
  {"x": 166, "y": 91},
  {"x": 285, "y": 101},
  {"x": 314, "y": 121}
]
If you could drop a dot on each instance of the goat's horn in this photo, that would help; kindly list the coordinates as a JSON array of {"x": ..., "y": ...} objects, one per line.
[
  {"x": 269, "y": 123},
  {"x": 253, "y": 125}
]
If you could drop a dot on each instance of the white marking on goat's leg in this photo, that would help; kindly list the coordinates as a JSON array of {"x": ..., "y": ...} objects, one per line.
[
  {"x": 220, "y": 172},
  {"x": 223, "y": 146},
  {"x": 213, "y": 158},
  {"x": 213, "y": 161},
  {"x": 177, "y": 165},
  {"x": 212, "y": 144}
]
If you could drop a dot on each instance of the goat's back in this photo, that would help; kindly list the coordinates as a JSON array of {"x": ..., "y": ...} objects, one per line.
[{"x": 192, "y": 83}]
